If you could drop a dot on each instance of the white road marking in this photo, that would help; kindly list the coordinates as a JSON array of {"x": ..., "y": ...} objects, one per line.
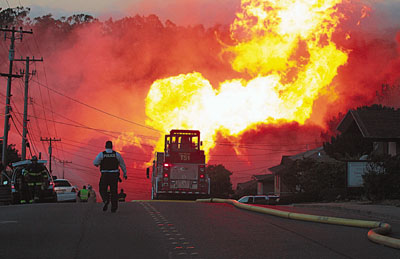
[{"x": 8, "y": 221}]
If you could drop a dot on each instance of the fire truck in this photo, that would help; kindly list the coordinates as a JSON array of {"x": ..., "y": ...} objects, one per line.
[{"x": 180, "y": 171}]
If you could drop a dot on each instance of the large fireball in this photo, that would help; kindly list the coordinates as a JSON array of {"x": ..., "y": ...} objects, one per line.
[{"x": 285, "y": 52}]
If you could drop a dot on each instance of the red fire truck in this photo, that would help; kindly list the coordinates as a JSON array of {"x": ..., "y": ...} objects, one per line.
[{"x": 180, "y": 170}]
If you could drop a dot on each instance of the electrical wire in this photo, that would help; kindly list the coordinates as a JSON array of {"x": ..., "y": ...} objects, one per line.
[
  {"x": 88, "y": 128},
  {"x": 95, "y": 148},
  {"x": 51, "y": 107},
  {"x": 97, "y": 109},
  {"x": 15, "y": 125},
  {"x": 31, "y": 140}
]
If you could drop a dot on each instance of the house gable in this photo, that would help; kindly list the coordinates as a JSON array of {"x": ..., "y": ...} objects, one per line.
[{"x": 373, "y": 123}]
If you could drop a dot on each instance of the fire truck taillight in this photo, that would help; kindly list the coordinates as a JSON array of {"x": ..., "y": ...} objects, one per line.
[
  {"x": 165, "y": 175},
  {"x": 202, "y": 176},
  {"x": 201, "y": 168},
  {"x": 167, "y": 165}
]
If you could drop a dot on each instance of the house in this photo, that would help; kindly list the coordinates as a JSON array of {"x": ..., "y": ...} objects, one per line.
[
  {"x": 265, "y": 183},
  {"x": 259, "y": 184},
  {"x": 379, "y": 124},
  {"x": 286, "y": 161},
  {"x": 246, "y": 188}
]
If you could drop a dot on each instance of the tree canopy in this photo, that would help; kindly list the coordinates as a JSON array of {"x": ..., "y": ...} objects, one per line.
[{"x": 221, "y": 185}]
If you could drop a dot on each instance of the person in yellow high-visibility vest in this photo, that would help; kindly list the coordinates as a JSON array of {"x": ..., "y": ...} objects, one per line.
[{"x": 83, "y": 194}]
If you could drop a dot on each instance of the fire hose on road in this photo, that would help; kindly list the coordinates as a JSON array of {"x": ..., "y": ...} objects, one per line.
[{"x": 377, "y": 233}]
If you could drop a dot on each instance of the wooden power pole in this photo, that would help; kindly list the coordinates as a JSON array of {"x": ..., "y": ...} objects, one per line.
[
  {"x": 50, "y": 148},
  {"x": 25, "y": 120},
  {"x": 10, "y": 75}
]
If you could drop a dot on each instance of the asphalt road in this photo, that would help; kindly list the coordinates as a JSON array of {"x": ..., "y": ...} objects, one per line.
[{"x": 174, "y": 230}]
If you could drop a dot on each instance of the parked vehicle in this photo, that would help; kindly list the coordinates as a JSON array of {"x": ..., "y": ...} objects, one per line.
[
  {"x": 65, "y": 191},
  {"x": 26, "y": 190},
  {"x": 260, "y": 199}
]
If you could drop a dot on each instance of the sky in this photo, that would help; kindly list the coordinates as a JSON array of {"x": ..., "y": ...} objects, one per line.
[
  {"x": 181, "y": 12},
  {"x": 114, "y": 74}
]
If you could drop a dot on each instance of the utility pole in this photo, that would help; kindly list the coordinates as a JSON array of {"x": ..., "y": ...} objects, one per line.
[
  {"x": 50, "y": 148},
  {"x": 25, "y": 120},
  {"x": 10, "y": 76},
  {"x": 63, "y": 163}
]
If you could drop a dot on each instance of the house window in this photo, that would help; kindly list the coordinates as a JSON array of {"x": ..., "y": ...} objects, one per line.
[
  {"x": 392, "y": 148},
  {"x": 260, "y": 188},
  {"x": 380, "y": 148},
  {"x": 277, "y": 184}
]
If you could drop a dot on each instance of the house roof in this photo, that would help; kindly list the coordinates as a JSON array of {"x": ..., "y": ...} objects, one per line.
[
  {"x": 264, "y": 177},
  {"x": 313, "y": 153},
  {"x": 373, "y": 122},
  {"x": 317, "y": 154},
  {"x": 245, "y": 185},
  {"x": 277, "y": 169}
]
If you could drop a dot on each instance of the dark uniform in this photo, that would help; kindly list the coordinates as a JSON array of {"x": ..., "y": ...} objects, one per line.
[
  {"x": 35, "y": 179},
  {"x": 109, "y": 179},
  {"x": 109, "y": 162}
]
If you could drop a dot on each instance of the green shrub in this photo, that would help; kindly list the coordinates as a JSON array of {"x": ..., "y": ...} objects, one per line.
[{"x": 382, "y": 180}]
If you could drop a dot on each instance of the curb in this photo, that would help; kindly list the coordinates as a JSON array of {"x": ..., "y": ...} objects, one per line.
[
  {"x": 178, "y": 201},
  {"x": 366, "y": 212},
  {"x": 376, "y": 234}
]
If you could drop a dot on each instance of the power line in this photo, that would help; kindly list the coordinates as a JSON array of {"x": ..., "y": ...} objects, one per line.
[
  {"x": 91, "y": 159},
  {"x": 12, "y": 119},
  {"x": 97, "y": 109},
  {"x": 98, "y": 130},
  {"x": 51, "y": 106},
  {"x": 102, "y": 131},
  {"x": 50, "y": 140},
  {"x": 264, "y": 144},
  {"x": 247, "y": 170},
  {"x": 37, "y": 125},
  {"x": 94, "y": 148},
  {"x": 9, "y": 76},
  {"x": 26, "y": 93},
  {"x": 31, "y": 143}
]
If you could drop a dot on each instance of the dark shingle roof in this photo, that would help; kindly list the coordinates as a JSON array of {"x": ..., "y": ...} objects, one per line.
[
  {"x": 317, "y": 154},
  {"x": 245, "y": 185},
  {"x": 264, "y": 177},
  {"x": 373, "y": 123}
]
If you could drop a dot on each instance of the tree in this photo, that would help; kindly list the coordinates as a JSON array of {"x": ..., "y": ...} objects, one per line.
[
  {"x": 314, "y": 179},
  {"x": 12, "y": 154},
  {"x": 220, "y": 177},
  {"x": 349, "y": 145},
  {"x": 382, "y": 179},
  {"x": 14, "y": 16}
]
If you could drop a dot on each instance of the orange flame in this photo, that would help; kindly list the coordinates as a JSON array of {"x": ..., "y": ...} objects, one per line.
[{"x": 284, "y": 46}]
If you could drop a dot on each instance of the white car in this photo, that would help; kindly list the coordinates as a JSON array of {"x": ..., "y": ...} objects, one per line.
[
  {"x": 260, "y": 199},
  {"x": 65, "y": 191}
]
